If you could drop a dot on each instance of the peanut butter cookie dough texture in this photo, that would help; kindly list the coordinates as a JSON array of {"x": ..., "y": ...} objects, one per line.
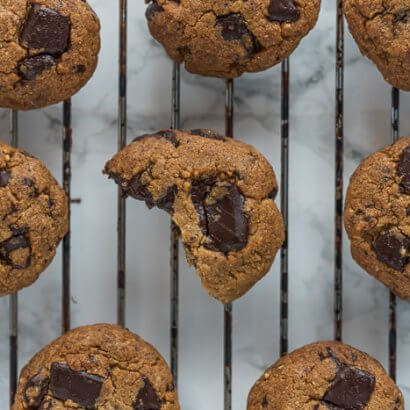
[
  {"x": 220, "y": 193},
  {"x": 48, "y": 51},
  {"x": 101, "y": 367},
  {"x": 325, "y": 376},
  {"x": 382, "y": 31},
  {"x": 377, "y": 216},
  {"x": 226, "y": 38},
  {"x": 33, "y": 218}
]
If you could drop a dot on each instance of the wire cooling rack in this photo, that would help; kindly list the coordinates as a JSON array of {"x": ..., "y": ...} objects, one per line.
[{"x": 174, "y": 262}]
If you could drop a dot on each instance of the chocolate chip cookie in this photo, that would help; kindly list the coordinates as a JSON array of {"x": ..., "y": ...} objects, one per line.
[
  {"x": 226, "y": 38},
  {"x": 220, "y": 193},
  {"x": 382, "y": 31},
  {"x": 102, "y": 367},
  {"x": 33, "y": 218},
  {"x": 323, "y": 376},
  {"x": 377, "y": 216},
  {"x": 48, "y": 51}
]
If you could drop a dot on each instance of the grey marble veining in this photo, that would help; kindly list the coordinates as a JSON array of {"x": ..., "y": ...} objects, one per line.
[{"x": 257, "y": 120}]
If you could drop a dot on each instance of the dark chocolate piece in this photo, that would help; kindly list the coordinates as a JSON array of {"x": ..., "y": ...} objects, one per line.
[
  {"x": 46, "y": 30},
  {"x": 403, "y": 170},
  {"x": 147, "y": 398},
  {"x": 222, "y": 220},
  {"x": 233, "y": 27},
  {"x": 272, "y": 194},
  {"x": 208, "y": 134},
  {"x": 169, "y": 135},
  {"x": 17, "y": 242},
  {"x": 152, "y": 9},
  {"x": 4, "y": 178},
  {"x": 80, "y": 387},
  {"x": 392, "y": 248},
  {"x": 283, "y": 10},
  {"x": 31, "y": 67},
  {"x": 34, "y": 390},
  {"x": 351, "y": 389}
]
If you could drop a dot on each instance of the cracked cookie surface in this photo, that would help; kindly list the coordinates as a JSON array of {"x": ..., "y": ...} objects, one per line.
[
  {"x": 33, "y": 218},
  {"x": 226, "y": 38},
  {"x": 48, "y": 51},
  {"x": 381, "y": 28},
  {"x": 323, "y": 376},
  {"x": 220, "y": 193},
  {"x": 377, "y": 216},
  {"x": 101, "y": 367}
]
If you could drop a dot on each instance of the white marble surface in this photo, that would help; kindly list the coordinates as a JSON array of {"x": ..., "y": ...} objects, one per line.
[{"x": 256, "y": 326}]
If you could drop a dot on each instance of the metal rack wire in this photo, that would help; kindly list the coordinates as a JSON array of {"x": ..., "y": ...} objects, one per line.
[{"x": 174, "y": 246}]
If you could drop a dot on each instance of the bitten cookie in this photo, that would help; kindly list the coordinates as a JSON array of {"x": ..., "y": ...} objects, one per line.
[
  {"x": 219, "y": 192},
  {"x": 226, "y": 38},
  {"x": 33, "y": 218},
  {"x": 382, "y": 31},
  {"x": 323, "y": 376},
  {"x": 102, "y": 367},
  {"x": 377, "y": 216},
  {"x": 48, "y": 51}
]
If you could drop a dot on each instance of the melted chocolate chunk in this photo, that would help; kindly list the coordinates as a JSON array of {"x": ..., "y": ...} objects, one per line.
[
  {"x": 401, "y": 17},
  {"x": 272, "y": 194},
  {"x": 31, "y": 67},
  {"x": 403, "y": 170},
  {"x": 34, "y": 390},
  {"x": 351, "y": 389},
  {"x": 45, "y": 30},
  {"x": 208, "y": 134},
  {"x": 137, "y": 190},
  {"x": 392, "y": 248},
  {"x": 147, "y": 398},
  {"x": 152, "y": 9},
  {"x": 79, "y": 68},
  {"x": 283, "y": 10},
  {"x": 222, "y": 220},
  {"x": 80, "y": 387},
  {"x": 17, "y": 242},
  {"x": 4, "y": 178},
  {"x": 233, "y": 27},
  {"x": 167, "y": 134}
]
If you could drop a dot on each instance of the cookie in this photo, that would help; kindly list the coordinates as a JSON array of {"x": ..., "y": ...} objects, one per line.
[
  {"x": 226, "y": 38},
  {"x": 324, "y": 376},
  {"x": 48, "y": 51},
  {"x": 101, "y": 367},
  {"x": 377, "y": 216},
  {"x": 220, "y": 193},
  {"x": 382, "y": 31},
  {"x": 33, "y": 218}
]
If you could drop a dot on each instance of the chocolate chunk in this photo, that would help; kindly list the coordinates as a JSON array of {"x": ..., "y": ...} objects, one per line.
[
  {"x": 221, "y": 219},
  {"x": 28, "y": 182},
  {"x": 79, "y": 68},
  {"x": 137, "y": 190},
  {"x": 34, "y": 390},
  {"x": 17, "y": 242},
  {"x": 46, "y": 30},
  {"x": 80, "y": 387},
  {"x": 403, "y": 170},
  {"x": 392, "y": 248},
  {"x": 233, "y": 27},
  {"x": 351, "y": 389},
  {"x": 4, "y": 178},
  {"x": 401, "y": 17},
  {"x": 152, "y": 9},
  {"x": 208, "y": 134},
  {"x": 169, "y": 135},
  {"x": 147, "y": 398},
  {"x": 31, "y": 67},
  {"x": 283, "y": 10},
  {"x": 272, "y": 194}
]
